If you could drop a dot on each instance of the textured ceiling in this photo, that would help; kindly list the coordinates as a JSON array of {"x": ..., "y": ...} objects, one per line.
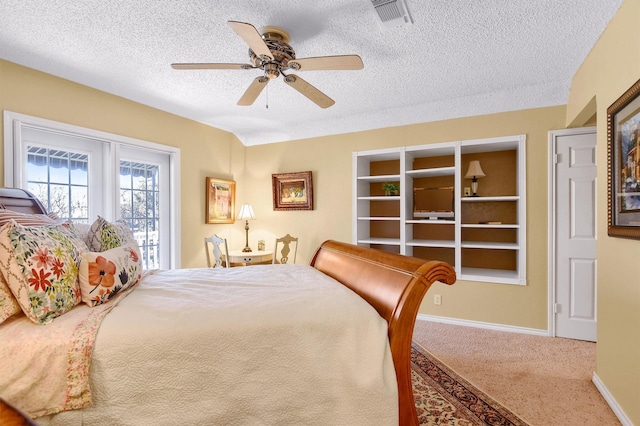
[{"x": 459, "y": 57}]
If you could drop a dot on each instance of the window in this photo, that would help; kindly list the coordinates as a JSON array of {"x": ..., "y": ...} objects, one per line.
[
  {"x": 59, "y": 178},
  {"x": 80, "y": 173}
]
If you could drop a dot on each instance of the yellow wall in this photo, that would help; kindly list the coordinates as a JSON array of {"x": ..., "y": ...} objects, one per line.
[
  {"x": 610, "y": 69},
  {"x": 205, "y": 151},
  {"x": 330, "y": 159}
]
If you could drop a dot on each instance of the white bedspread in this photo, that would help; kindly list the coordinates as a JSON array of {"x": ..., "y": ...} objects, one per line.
[{"x": 259, "y": 345}]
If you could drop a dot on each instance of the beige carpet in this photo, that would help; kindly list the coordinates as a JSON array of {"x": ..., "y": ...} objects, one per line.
[{"x": 545, "y": 380}]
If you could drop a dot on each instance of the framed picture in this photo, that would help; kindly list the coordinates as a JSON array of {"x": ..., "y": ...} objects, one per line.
[
  {"x": 221, "y": 200},
  {"x": 292, "y": 191},
  {"x": 623, "y": 158}
]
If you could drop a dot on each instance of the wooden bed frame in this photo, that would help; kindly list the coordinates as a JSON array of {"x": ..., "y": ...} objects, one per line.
[{"x": 393, "y": 284}]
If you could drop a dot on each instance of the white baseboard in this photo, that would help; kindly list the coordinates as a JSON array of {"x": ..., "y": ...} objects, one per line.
[
  {"x": 486, "y": 325},
  {"x": 617, "y": 410}
]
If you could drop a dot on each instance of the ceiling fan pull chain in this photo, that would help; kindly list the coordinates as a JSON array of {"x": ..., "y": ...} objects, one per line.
[{"x": 267, "y": 98}]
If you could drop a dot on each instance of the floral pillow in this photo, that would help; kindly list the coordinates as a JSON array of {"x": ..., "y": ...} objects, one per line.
[
  {"x": 104, "y": 235},
  {"x": 40, "y": 265},
  {"x": 104, "y": 274},
  {"x": 8, "y": 304}
]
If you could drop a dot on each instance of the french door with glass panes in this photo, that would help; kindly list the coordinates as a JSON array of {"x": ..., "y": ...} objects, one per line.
[{"x": 79, "y": 177}]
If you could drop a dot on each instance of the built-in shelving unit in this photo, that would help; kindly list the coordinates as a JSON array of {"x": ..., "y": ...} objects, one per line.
[{"x": 483, "y": 237}]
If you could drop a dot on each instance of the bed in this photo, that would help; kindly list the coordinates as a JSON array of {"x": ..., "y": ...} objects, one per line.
[{"x": 325, "y": 343}]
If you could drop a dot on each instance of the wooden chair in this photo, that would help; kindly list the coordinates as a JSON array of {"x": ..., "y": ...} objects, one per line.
[
  {"x": 282, "y": 255},
  {"x": 218, "y": 250}
]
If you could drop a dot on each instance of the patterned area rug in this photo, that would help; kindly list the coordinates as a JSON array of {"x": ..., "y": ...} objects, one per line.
[{"x": 444, "y": 398}]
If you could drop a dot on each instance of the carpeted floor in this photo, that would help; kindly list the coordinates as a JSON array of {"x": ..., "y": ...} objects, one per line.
[
  {"x": 546, "y": 380},
  {"x": 444, "y": 398}
]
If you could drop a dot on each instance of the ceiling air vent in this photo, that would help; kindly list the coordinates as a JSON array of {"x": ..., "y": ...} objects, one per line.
[{"x": 392, "y": 13}]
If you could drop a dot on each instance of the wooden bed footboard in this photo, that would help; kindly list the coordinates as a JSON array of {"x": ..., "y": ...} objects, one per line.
[{"x": 394, "y": 285}]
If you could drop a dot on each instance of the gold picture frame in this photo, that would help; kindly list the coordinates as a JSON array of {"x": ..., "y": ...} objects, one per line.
[
  {"x": 221, "y": 200},
  {"x": 623, "y": 165},
  {"x": 292, "y": 191}
]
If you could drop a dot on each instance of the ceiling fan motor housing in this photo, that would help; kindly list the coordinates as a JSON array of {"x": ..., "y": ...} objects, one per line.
[{"x": 276, "y": 40}]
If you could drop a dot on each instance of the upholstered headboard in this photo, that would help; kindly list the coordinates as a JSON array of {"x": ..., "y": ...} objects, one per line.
[{"x": 21, "y": 201}]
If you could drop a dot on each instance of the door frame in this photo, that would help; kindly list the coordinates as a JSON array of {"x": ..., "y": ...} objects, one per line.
[{"x": 551, "y": 298}]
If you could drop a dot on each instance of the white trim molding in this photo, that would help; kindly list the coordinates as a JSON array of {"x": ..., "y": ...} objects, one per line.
[
  {"x": 485, "y": 325},
  {"x": 615, "y": 407}
]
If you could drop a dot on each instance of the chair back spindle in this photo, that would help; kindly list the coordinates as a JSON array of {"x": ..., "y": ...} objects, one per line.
[
  {"x": 217, "y": 252},
  {"x": 286, "y": 247}
]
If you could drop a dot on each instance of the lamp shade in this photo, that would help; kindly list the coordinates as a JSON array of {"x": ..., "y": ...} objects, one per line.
[
  {"x": 246, "y": 212},
  {"x": 475, "y": 171}
]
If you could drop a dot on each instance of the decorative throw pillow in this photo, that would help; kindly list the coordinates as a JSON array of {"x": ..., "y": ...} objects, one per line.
[
  {"x": 104, "y": 235},
  {"x": 28, "y": 219},
  {"x": 8, "y": 304},
  {"x": 40, "y": 265},
  {"x": 83, "y": 230},
  {"x": 104, "y": 274}
]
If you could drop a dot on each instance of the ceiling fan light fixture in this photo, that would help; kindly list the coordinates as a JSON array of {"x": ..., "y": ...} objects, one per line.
[{"x": 271, "y": 70}]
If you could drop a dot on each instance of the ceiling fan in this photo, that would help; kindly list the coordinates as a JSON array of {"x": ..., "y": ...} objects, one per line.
[{"x": 271, "y": 52}]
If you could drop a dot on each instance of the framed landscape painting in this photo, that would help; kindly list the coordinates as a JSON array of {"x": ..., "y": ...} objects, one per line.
[
  {"x": 623, "y": 157},
  {"x": 292, "y": 191},
  {"x": 220, "y": 196}
]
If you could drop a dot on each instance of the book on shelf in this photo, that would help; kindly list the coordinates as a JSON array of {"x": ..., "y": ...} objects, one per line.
[{"x": 491, "y": 222}]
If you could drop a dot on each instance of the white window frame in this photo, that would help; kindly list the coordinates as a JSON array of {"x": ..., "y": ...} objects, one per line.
[{"x": 14, "y": 164}]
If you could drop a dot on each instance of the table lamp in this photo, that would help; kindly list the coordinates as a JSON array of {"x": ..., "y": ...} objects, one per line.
[
  {"x": 246, "y": 213},
  {"x": 475, "y": 172}
]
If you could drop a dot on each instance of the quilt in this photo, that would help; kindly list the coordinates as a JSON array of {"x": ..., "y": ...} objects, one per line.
[{"x": 266, "y": 344}]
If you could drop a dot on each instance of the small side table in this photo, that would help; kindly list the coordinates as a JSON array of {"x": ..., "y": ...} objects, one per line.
[{"x": 246, "y": 258}]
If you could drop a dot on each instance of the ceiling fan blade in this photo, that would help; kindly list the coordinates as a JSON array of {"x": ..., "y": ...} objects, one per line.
[
  {"x": 309, "y": 91},
  {"x": 205, "y": 66},
  {"x": 340, "y": 62},
  {"x": 253, "y": 91},
  {"x": 252, "y": 37}
]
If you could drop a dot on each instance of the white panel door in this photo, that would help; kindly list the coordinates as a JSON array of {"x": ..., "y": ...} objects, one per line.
[{"x": 575, "y": 280}]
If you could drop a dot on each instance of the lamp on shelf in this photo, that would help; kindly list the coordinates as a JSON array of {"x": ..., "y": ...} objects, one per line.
[
  {"x": 246, "y": 213},
  {"x": 475, "y": 172}
]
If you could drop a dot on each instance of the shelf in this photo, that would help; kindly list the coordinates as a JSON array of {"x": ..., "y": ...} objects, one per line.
[
  {"x": 397, "y": 219},
  {"x": 380, "y": 198},
  {"x": 432, "y": 243},
  {"x": 380, "y": 178},
  {"x": 489, "y": 245},
  {"x": 490, "y": 226},
  {"x": 491, "y": 275},
  {"x": 430, "y": 222},
  {"x": 384, "y": 241},
  {"x": 439, "y": 171},
  {"x": 491, "y": 252},
  {"x": 490, "y": 199}
]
